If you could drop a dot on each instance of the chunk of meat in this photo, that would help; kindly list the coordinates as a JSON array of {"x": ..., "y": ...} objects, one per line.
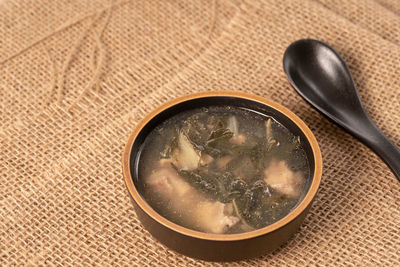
[
  {"x": 193, "y": 208},
  {"x": 279, "y": 177},
  {"x": 205, "y": 159},
  {"x": 233, "y": 126},
  {"x": 185, "y": 156},
  {"x": 238, "y": 139},
  {"x": 224, "y": 161},
  {"x": 167, "y": 183},
  {"x": 210, "y": 217}
]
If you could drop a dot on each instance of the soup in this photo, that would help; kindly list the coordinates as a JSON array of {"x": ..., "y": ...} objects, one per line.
[{"x": 222, "y": 170}]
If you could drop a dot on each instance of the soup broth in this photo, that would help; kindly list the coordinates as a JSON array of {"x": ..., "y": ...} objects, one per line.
[{"x": 222, "y": 170}]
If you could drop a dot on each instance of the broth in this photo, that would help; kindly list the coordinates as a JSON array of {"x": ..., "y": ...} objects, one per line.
[{"x": 222, "y": 170}]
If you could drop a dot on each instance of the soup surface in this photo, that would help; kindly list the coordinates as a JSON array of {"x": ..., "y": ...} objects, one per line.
[{"x": 222, "y": 170}]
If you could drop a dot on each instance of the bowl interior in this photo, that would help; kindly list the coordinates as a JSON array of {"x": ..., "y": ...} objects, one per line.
[{"x": 207, "y": 101}]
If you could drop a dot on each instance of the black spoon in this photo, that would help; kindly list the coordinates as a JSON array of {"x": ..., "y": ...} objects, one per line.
[{"x": 318, "y": 73}]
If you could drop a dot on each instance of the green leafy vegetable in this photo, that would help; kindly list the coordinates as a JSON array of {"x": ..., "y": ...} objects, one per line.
[{"x": 241, "y": 182}]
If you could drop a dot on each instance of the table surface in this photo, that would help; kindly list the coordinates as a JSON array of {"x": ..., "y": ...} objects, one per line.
[{"x": 77, "y": 76}]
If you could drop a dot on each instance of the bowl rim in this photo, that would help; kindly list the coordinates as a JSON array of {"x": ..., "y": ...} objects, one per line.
[{"x": 307, "y": 200}]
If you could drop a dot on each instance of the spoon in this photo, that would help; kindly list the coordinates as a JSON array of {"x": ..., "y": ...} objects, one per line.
[{"x": 319, "y": 74}]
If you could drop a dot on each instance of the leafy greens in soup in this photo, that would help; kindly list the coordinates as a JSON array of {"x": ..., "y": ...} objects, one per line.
[{"x": 222, "y": 170}]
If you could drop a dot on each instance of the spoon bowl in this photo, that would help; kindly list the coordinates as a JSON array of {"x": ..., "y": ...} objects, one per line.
[{"x": 320, "y": 75}]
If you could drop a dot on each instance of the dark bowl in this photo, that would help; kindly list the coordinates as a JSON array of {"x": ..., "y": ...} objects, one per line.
[{"x": 220, "y": 247}]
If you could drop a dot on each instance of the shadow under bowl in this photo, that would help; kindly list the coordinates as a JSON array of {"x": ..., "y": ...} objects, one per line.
[{"x": 220, "y": 247}]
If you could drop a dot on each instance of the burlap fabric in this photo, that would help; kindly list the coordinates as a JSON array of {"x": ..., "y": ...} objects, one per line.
[{"x": 76, "y": 76}]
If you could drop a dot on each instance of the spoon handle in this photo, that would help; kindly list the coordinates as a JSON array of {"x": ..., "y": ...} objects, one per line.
[{"x": 373, "y": 137}]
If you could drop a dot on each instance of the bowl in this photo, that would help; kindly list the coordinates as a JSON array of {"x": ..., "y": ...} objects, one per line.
[{"x": 220, "y": 247}]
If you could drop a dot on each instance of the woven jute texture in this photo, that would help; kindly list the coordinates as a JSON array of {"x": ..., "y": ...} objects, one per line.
[{"x": 76, "y": 77}]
